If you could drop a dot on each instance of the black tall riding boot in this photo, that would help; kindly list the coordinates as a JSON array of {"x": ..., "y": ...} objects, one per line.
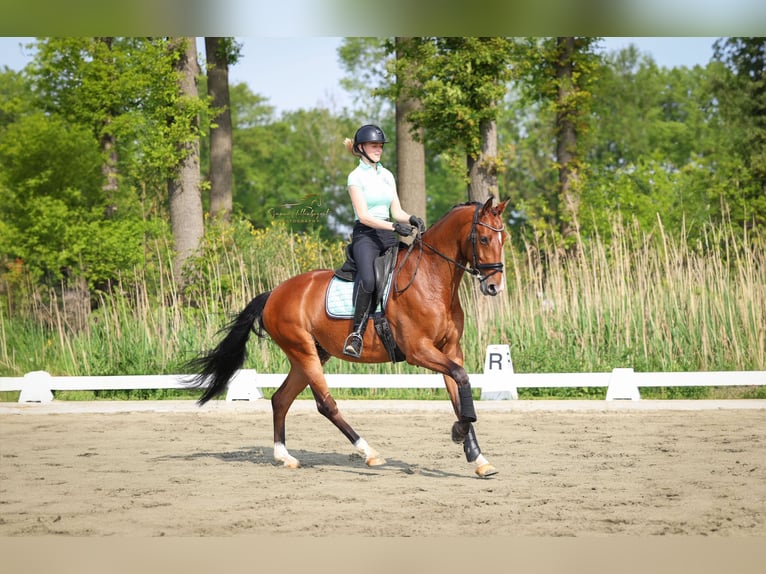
[{"x": 353, "y": 345}]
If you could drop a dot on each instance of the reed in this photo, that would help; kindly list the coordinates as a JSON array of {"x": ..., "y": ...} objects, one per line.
[{"x": 647, "y": 300}]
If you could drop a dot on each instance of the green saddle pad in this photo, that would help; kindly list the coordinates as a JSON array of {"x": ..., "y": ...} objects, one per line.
[{"x": 338, "y": 300}]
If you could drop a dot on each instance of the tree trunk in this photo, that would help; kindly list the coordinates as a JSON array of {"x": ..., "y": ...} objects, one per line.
[
  {"x": 184, "y": 191},
  {"x": 109, "y": 153},
  {"x": 482, "y": 171},
  {"x": 410, "y": 151},
  {"x": 109, "y": 171},
  {"x": 566, "y": 139},
  {"x": 220, "y": 130}
]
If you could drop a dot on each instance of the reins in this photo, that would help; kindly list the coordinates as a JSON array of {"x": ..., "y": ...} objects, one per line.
[{"x": 474, "y": 270}]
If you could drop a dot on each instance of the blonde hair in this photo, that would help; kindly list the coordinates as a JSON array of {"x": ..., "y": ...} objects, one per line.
[{"x": 349, "y": 143}]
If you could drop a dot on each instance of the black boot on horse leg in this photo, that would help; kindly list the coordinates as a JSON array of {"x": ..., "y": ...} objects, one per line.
[
  {"x": 353, "y": 345},
  {"x": 462, "y": 432},
  {"x": 467, "y": 411}
]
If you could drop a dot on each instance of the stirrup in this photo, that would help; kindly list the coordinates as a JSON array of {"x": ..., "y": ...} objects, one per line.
[{"x": 353, "y": 345}]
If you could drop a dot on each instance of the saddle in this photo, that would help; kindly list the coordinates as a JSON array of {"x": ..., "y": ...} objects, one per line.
[{"x": 339, "y": 296}]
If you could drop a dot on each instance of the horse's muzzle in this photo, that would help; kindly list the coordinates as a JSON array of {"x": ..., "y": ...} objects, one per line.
[{"x": 491, "y": 287}]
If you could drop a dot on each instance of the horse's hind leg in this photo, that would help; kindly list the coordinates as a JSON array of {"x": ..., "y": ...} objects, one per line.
[
  {"x": 328, "y": 408},
  {"x": 280, "y": 404}
]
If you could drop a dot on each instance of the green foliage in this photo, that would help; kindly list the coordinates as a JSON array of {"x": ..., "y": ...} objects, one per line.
[
  {"x": 123, "y": 90},
  {"x": 50, "y": 187},
  {"x": 292, "y": 170},
  {"x": 53, "y": 219},
  {"x": 367, "y": 62},
  {"x": 556, "y": 77},
  {"x": 740, "y": 91},
  {"x": 15, "y": 97},
  {"x": 460, "y": 82}
]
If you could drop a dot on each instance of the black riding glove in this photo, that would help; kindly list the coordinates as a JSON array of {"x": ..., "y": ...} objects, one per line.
[
  {"x": 403, "y": 229},
  {"x": 417, "y": 222}
]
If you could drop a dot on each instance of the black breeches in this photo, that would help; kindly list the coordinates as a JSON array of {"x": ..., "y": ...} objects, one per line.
[{"x": 367, "y": 244}]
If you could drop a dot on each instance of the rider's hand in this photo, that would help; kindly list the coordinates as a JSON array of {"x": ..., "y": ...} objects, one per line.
[
  {"x": 415, "y": 221},
  {"x": 403, "y": 229}
]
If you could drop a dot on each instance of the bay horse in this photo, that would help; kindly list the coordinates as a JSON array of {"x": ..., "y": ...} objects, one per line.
[{"x": 425, "y": 316}]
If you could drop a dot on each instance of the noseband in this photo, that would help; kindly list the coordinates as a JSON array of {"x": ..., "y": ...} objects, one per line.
[{"x": 476, "y": 268}]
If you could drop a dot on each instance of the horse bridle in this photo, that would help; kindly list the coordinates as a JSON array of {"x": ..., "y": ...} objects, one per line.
[{"x": 476, "y": 268}]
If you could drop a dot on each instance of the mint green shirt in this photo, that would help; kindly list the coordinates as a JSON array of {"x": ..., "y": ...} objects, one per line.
[{"x": 378, "y": 187}]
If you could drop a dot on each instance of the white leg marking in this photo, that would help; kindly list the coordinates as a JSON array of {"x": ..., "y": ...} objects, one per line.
[
  {"x": 281, "y": 455},
  {"x": 371, "y": 456},
  {"x": 480, "y": 460}
]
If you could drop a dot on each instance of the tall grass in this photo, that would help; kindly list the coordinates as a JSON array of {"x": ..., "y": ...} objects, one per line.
[
  {"x": 646, "y": 300},
  {"x": 649, "y": 300}
]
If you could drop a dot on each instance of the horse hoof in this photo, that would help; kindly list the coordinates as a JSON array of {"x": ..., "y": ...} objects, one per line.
[
  {"x": 486, "y": 470},
  {"x": 375, "y": 461},
  {"x": 289, "y": 462}
]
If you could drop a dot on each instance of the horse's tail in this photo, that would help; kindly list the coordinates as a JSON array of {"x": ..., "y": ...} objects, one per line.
[{"x": 219, "y": 365}]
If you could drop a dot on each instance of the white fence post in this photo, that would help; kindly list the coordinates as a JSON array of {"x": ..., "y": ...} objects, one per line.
[
  {"x": 498, "y": 383},
  {"x": 36, "y": 388},
  {"x": 622, "y": 386},
  {"x": 242, "y": 387}
]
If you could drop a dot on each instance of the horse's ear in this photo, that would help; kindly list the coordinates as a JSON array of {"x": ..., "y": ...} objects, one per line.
[
  {"x": 497, "y": 209},
  {"x": 487, "y": 207},
  {"x": 500, "y": 207}
]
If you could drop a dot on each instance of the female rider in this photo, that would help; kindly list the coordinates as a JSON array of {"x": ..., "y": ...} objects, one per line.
[{"x": 378, "y": 216}]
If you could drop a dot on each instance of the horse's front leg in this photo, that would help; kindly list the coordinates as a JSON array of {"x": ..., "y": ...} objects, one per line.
[
  {"x": 464, "y": 433},
  {"x": 449, "y": 362}
]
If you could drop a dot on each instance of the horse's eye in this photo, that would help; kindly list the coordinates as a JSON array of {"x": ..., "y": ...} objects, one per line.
[{"x": 484, "y": 240}]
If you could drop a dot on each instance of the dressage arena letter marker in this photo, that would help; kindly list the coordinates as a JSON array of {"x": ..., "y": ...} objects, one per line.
[{"x": 498, "y": 384}]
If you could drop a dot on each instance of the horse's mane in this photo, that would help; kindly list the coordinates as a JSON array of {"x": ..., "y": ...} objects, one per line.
[{"x": 454, "y": 207}]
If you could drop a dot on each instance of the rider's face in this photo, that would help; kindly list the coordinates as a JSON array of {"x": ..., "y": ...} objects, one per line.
[{"x": 374, "y": 150}]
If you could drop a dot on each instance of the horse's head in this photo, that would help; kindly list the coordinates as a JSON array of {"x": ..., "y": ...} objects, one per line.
[{"x": 485, "y": 247}]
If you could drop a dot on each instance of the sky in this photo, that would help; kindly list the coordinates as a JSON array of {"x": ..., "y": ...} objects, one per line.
[{"x": 304, "y": 73}]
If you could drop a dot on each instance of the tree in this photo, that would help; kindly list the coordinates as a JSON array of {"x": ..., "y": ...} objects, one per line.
[
  {"x": 124, "y": 90},
  {"x": 184, "y": 187},
  {"x": 220, "y": 53},
  {"x": 16, "y": 98},
  {"x": 290, "y": 170},
  {"x": 118, "y": 91},
  {"x": 378, "y": 72},
  {"x": 53, "y": 205},
  {"x": 566, "y": 140},
  {"x": 461, "y": 82},
  {"x": 654, "y": 146},
  {"x": 557, "y": 73},
  {"x": 82, "y": 78},
  {"x": 410, "y": 151},
  {"x": 742, "y": 97}
]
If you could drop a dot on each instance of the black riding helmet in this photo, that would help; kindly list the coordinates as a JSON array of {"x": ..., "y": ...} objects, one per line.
[{"x": 366, "y": 134}]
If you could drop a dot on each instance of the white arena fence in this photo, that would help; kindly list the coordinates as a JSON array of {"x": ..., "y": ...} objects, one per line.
[{"x": 497, "y": 382}]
